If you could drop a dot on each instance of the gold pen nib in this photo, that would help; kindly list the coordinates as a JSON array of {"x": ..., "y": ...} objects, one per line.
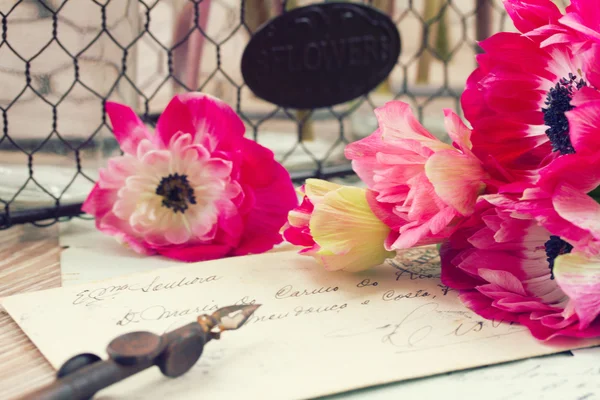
[{"x": 229, "y": 318}]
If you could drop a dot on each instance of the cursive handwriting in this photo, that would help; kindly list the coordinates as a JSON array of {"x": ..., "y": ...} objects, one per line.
[
  {"x": 91, "y": 296},
  {"x": 391, "y": 295},
  {"x": 297, "y": 312},
  {"x": 445, "y": 289},
  {"x": 288, "y": 291},
  {"x": 245, "y": 301},
  {"x": 427, "y": 326},
  {"x": 414, "y": 275},
  {"x": 417, "y": 264},
  {"x": 366, "y": 282},
  {"x": 412, "y": 338},
  {"x": 159, "y": 312}
]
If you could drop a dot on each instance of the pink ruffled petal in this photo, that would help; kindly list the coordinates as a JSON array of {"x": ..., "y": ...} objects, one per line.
[
  {"x": 123, "y": 233},
  {"x": 210, "y": 121},
  {"x": 176, "y": 118},
  {"x": 397, "y": 121},
  {"x": 384, "y": 211},
  {"x": 129, "y": 130},
  {"x": 457, "y": 179},
  {"x": 457, "y": 130},
  {"x": 99, "y": 202},
  {"x": 363, "y": 154},
  {"x": 584, "y": 20},
  {"x": 528, "y": 15},
  {"x": 578, "y": 208}
]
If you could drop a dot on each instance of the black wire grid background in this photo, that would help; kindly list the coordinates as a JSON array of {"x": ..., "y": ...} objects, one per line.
[{"x": 61, "y": 60}]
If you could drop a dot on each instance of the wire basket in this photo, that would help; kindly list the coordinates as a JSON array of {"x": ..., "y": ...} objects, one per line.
[{"x": 61, "y": 60}]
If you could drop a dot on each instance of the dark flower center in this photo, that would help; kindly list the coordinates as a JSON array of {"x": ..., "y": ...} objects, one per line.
[
  {"x": 554, "y": 248},
  {"x": 558, "y": 101},
  {"x": 176, "y": 192}
]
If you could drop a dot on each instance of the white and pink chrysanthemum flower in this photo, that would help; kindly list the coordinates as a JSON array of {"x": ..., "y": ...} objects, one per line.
[
  {"x": 514, "y": 270},
  {"x": 194, "y": 190},
  {"x": 423, "y": 186}
]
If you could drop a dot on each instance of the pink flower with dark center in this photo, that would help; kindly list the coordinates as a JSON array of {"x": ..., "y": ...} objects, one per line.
[
  {"x": 519, "y": 99},
  {"x": 513, "y": 270},
  {"x": 194, "y": 190}
]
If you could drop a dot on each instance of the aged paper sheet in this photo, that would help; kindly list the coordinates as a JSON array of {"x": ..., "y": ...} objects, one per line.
[{"x": 317, "y": 332}]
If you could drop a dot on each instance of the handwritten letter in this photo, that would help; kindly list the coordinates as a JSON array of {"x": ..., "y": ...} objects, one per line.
[{"x": 316, "y": 333}]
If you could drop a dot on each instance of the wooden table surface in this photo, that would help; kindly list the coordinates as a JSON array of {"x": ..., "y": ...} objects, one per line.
[{"x": 29, "y": 261}]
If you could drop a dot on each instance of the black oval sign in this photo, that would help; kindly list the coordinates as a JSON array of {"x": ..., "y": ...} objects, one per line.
[{"x": 321, "y": 55}]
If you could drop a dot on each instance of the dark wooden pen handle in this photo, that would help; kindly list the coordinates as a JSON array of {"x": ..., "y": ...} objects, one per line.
[
  {"x": 87, "y": 381},
  {"x": 174, "y": 353}
]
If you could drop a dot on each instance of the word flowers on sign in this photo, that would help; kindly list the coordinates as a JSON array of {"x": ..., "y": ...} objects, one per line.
[{"x": 321, "y": 55}]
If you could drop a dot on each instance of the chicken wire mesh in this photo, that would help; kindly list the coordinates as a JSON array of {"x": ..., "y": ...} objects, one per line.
[{"x": 60, "y": 61}]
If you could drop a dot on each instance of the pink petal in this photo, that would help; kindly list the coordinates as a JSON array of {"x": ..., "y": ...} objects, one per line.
[
  {"x": 503, "y": 279},
  {"x": 578, "y": 208},
  {"x": 457, "y": 130},
  {"x": 298, "y": 236},
  {"x": 530, "y": 14},
  {"x": 457, "y": 179},
  {"x": 482, "y": 305},
  {"x": 591, "y": 67},
  {"x": 272, "y": 202},
  {"x": 384, "y": 211},
  {"x": 472, "y": 98},
  {"x": 363, "y": 154},
  {"x": 580, "y": 172},
  {"x": 129, "y": 130},
  {"x": 218, "y": 168},
  {"x": 453, "y": 276},
  {"x": 542, "y": 332},
  {"x": 99, "y": 202},
  {"x": 176, "y": 118},
  {"x": 179, "y": 234},
  {"x": 111, "y": 225},
  {"x": 429, "y": 232},
  {"x": 231, "y": 224},
  {"x": 584, "y": 125},
  {"x": 256, "y": 157},
  {"x": 210, "y": 121},
  {"x": 396, "y": 119},
  {"x": 585, "y": 18}
]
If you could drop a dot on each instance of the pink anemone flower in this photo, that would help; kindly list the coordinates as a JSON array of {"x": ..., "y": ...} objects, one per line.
[
  {"x": 194, "y": 190},
  {"x": 424, "y": 187},
  {"x": 513, "y": 270},
  {"x": 517, "y": 102},
  {"x": 519, "y": 98}
]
